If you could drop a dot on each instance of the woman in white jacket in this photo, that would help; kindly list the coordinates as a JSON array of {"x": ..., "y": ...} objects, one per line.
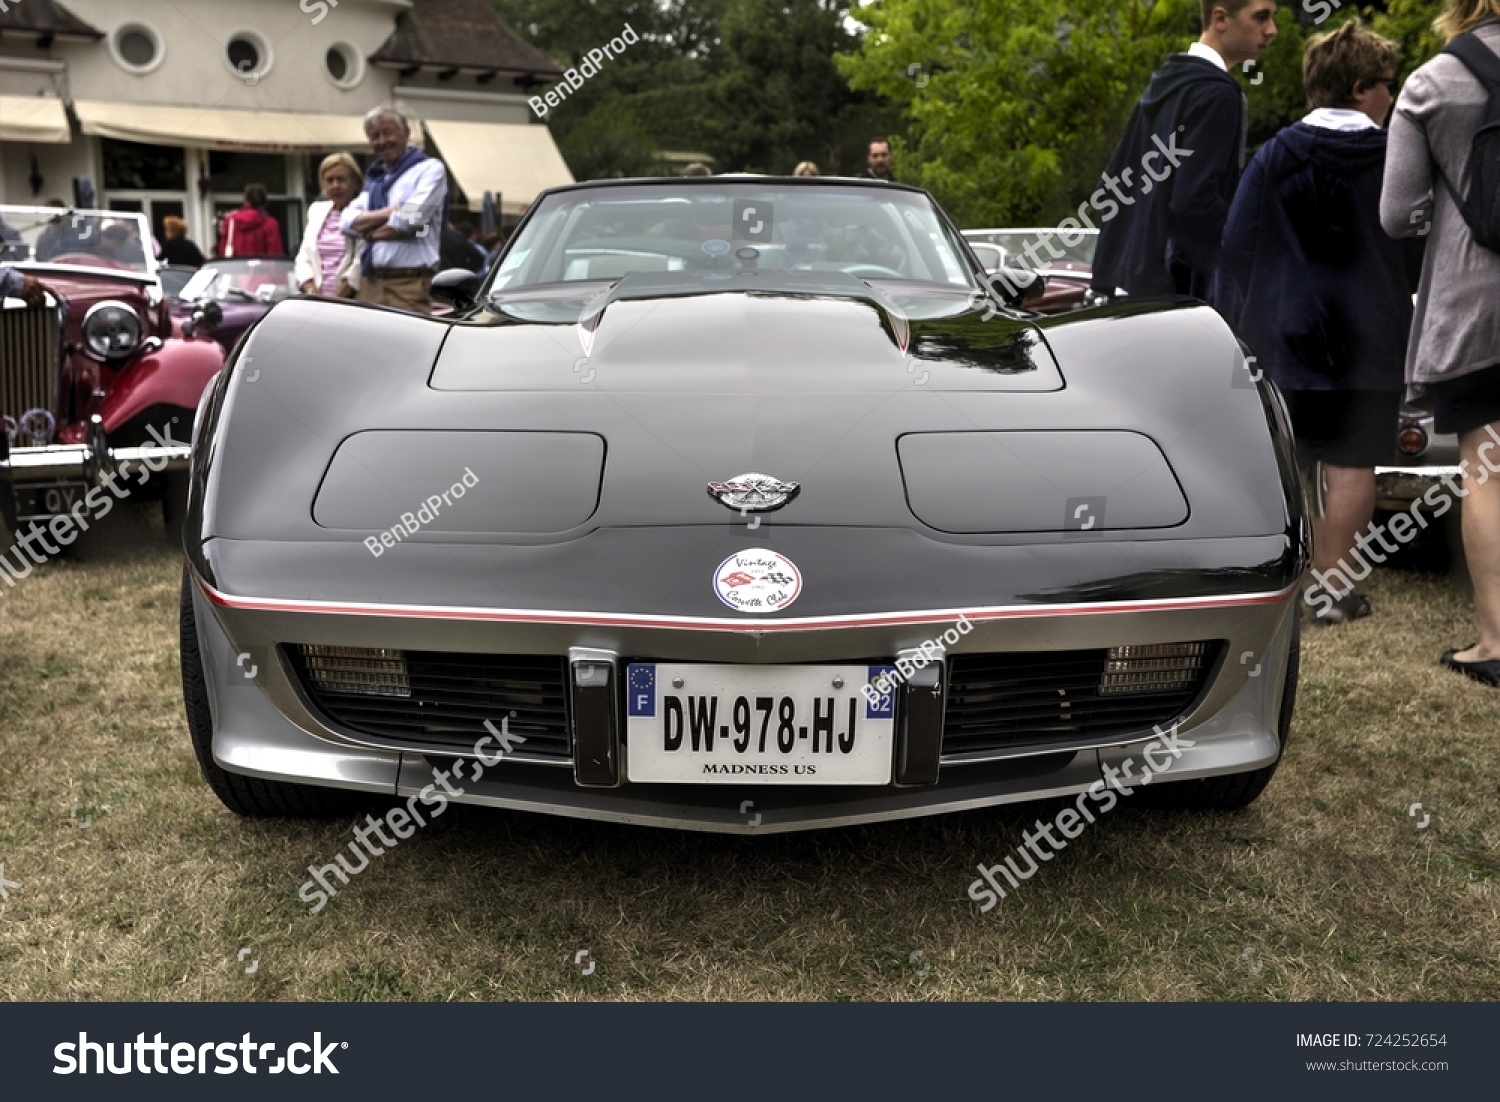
[{"x": 327, "y": 262}]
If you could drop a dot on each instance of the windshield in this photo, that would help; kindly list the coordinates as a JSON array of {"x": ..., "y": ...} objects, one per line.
[
  {"x": 242, "y": 281},
  {"x": 1040, "y": 250},
  {"x": 605, "y": 234},
  {"x": 98, "y": 239}
]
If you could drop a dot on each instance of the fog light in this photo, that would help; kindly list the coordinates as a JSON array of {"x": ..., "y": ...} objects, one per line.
[
  {"x": 1411, "y": 440},
  {"x": 364, "y": 670},
  {"x": 1154, "y": 668}
]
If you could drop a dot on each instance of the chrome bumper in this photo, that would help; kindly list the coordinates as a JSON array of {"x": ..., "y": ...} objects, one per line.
[
  {"x": 1397, "y": 487},
  {"x": 95, "y": 461}
]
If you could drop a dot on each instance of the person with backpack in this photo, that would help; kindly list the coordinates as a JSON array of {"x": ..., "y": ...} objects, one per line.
[{"x": 1442, "y": 181}]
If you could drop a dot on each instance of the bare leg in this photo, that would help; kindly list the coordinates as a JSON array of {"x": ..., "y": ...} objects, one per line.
[
  {"x": 1349, "y": 506},
  {"x": 1481, "y": 517}
]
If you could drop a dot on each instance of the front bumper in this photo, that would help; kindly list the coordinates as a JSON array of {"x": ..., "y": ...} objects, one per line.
[
  {"x": 94, "y": 461},
  {"x": 1398, "y": 488},
  {"x": 264, "y": 726}
]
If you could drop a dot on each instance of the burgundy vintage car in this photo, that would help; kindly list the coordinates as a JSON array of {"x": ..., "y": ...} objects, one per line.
[
  {"x": 245, "y": 288},
  {"x": 93, "y": 384},
  {"x": 1066, "y": 267}
]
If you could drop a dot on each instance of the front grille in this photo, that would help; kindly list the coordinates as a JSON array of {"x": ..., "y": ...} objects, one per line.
[
  {"x": 450, "y": 697},
  {"x": 28, "y": 363},
  {"x": 1004, "y": 702}
]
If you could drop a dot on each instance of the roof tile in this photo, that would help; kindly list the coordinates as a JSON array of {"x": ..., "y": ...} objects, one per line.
[{"x": 462, "y": 34}]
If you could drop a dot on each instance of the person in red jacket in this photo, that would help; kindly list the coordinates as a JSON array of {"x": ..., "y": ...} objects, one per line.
[{"x": 251, "y": 230}]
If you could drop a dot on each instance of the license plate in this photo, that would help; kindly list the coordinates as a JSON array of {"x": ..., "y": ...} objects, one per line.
[
  {"x": 49, "y": 501},
  {"x": 692, "y": 724}
]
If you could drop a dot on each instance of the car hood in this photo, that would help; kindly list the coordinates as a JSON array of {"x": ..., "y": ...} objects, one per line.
[
  {"x": 778, "y": 334},
  {"x": 548, "y": 457}
]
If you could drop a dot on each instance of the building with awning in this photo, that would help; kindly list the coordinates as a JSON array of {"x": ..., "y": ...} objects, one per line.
[
  {"x": 34, "y": 120},
  {"x": 513, "y": 162},
  {"x": 166, "y": 107}
]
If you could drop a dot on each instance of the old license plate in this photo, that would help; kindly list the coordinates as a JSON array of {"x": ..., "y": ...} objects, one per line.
[
  {"x": 50, "y": 500},
  {"x": 757, "y": 725}
]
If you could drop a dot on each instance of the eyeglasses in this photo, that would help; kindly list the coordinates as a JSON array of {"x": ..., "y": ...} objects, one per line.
[{"x": 1391, "y": 83}]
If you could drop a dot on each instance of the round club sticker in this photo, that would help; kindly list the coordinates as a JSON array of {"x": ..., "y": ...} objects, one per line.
[{"x": 758, "y": 580}]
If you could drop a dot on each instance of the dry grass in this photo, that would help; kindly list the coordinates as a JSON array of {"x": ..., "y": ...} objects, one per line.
[{"x": 1323, "y": 890}]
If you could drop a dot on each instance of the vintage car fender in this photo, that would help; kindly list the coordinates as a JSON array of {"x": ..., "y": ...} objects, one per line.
[{"x": 174, "y": 375}]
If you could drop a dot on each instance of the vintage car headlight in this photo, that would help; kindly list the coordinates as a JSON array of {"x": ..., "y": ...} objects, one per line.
[{"x": 111, "y": 329}]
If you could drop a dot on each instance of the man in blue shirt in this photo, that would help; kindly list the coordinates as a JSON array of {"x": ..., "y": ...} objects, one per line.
[{"x": 400, "y": 215}]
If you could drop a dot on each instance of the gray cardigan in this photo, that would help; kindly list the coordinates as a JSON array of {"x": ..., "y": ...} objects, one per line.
[{"x": 1456, "y": 328}]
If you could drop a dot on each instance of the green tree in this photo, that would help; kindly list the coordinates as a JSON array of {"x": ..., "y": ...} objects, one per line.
[
  {"x": 751, "y": 82},
  {"x": 1012, "y": 105},
  {"x": 1409, "y": 22},
  {"x": 779, "y": 94}
]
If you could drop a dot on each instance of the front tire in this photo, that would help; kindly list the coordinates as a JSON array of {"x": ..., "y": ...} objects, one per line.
[
  {"x": 1234, "y": 791},
  {"x": 243, "y": 795}
]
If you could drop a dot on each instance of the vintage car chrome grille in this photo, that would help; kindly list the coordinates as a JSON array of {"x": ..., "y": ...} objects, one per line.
[
  {"x": 28, "y": 362},
  {"x": 1001, "y": 702},
  {"x": 448, "y": 698}
]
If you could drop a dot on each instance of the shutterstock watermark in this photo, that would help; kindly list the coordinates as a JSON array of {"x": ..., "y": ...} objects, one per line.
[
  {"x": 412, "y": 523},
  {"x": 1157, "y": 166},
  {"x": 1402, "y": 528},
  {"x": 1071, "y": 821},
  {"x": 573, "y": 79},
  {"x": 193, "y": 1058},
  {"x": 317, "y": 891},
  {"x": 64, "y": 528},
  {"x": 1320, "y": 10}
]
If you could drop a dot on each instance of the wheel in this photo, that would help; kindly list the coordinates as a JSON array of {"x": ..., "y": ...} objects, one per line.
[
  {"x": 1234, "y": 790},
  {"x": 174, "y": 499},
  {"x": 243, "y": 795}
]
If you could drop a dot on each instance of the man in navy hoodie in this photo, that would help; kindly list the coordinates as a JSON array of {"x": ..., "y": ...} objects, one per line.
[
  {"x": 1312, "y": 283},
  {"x": 1174, "y": 173}
]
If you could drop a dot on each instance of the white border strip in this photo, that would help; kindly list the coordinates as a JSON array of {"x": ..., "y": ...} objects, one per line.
[{"x": 705, "y": 623}]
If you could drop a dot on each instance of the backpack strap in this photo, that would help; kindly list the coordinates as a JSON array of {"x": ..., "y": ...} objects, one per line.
[
  {"x": 1484, "y": 64},
  {"x": 1480, "y": 60}
]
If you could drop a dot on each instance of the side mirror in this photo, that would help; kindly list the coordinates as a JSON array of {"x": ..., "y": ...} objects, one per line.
[
  {"x": 456, "y": 286},
  {"x": 207, "y": 315},
  {"x": 1017, "y": 286}
]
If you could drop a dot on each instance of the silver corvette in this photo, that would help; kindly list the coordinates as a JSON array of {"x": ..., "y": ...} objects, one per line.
[{"x": 737, "y": 504}]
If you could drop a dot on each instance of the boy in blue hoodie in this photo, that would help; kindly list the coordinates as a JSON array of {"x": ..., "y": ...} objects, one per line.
[
  {"x": 1320, "y": 293},
  {"x": 1174, "y": 172}
]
